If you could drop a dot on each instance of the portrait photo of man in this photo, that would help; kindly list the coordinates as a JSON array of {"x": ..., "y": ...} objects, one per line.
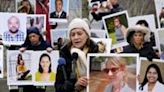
[
  {"x": 59, "y": 10},
  {"x": 13, "y": 33}
]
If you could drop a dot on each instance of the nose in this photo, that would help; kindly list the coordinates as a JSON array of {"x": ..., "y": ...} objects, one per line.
[
  {"x": 110, "y": 73},
  {"x": 76, "y": 36}
]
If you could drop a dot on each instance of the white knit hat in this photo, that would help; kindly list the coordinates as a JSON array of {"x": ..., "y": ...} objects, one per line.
[
  {"x": 78, "y": 23},
  {"x": 140, "y": 28}
]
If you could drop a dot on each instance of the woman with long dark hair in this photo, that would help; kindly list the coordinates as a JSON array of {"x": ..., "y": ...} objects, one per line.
[
  {"x": 45, "y": 72},
  {"x": 153, "y": 80},
  {"x": 21, "y": 69}
]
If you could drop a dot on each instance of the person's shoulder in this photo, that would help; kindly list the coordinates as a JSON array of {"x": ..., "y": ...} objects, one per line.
[
  {"x": 37, "y": 73},
  {"x": 6, "y": 32},
  {"x": 108, "y": 88},
  {"x": 37, "y": 76},
  {"x": 147, "y": 44},
  {"x": 127, "y": 49},
  {"x": 64, "y": 12},
  {"x": 20, "y": 32},
  {"x": 160, "y": 85},
  {"x": 53, "y": 14},
  {"x": 126, "y": 88},
  {"x": 65, "y": 48},
  {"x": 52, "y": 73}
]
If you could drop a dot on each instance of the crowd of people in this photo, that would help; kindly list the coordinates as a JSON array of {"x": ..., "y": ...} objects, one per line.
[{"x": 72, "y": 76}]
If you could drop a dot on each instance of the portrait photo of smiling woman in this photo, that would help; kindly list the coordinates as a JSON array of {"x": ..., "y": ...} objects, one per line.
[
  {"x": 45, "y": 72},
  {"x": 151, "y": 77}
]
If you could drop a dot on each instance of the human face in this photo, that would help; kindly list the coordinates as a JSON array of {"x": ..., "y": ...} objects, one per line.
[
  {"x": 45, "y": 63},
  {"x": 59, "y": 5},
  {"x": 78, "y": 37},
  {"x": 113, "y": 72},
  {"x": 26, "y": 4},
  {"x": 34, "y": 39},
  {"x": 21, "y": 62},
  {"x": 13, "y": 24},
  {"x": 138, "y": 38},
  {"x": 116, "y": 22},
  {"x": 152, "y": 75}
]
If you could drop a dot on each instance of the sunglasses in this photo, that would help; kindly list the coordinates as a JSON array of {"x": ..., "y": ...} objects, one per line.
[{"x": 113, "y": 70}]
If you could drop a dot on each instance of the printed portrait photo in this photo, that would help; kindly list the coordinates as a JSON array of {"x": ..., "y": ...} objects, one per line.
[
  {"x": 25, "y": 6},
  {"x": 116, "y": 26},
  {"x": 44, "y": 70},
  {"x": 147, "y": 21},
  {"x": 19, "y": 68},
  {"x": 38, "y": 21},
  {"x": 159, "y": 4},
  {"x": 13, "y": 28},
  {"x": 112, "y": 72},
  {"x": 59, "y": 10},
  {"x": 151, "y": 76},
  {"x": 58, "y": 38},
  {"x": 1, "y": 61}
]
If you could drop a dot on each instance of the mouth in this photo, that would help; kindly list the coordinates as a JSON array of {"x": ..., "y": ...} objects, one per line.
[
  {"x": 77, "y": 42},
  {"x": 111, "y": 78},
  {"x": 151, "y": 78}
]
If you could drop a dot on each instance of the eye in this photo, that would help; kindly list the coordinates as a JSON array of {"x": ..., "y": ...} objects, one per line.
[{"x": 113, "y": 70}]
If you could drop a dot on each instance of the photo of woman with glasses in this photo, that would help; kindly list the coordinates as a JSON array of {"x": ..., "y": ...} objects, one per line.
[
  {"x": 152, "y": 81},
  {"x": 116, "y": 70},
  {"x": 112, "y": 73}
]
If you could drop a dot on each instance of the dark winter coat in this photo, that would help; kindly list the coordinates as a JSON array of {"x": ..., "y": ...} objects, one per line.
[
  {"x": 60, "y": 83},
  {"x": 145, "y": 51}
]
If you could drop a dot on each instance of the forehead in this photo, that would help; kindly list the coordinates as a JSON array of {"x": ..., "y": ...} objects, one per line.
[
  {"x": 111, "y": 63},
  {"x": 77, "y": 30},
  {"x": 13, "y": 19},
  {"x": 139, "y": 32},
  {"x": 25, "y": 2},
  {"x": 44, "y": 57},
  {"x": 58, "y": 1},
  {"x": 33, "y": 34},
  {"x": 152, "y": 69}
]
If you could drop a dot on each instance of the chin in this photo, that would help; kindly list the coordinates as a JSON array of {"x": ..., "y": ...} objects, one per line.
[{"x": 77, "y": 46}]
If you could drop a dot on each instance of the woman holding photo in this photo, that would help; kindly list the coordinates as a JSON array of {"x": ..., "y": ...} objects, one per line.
[{"x": 80, "y": 44}]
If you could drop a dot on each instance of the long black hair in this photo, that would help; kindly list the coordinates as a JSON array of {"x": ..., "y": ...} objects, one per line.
[
  {"x": 19, "y": 58},
  {"x": 40, "y": 67},
  {"x": 145, "y": 78}
]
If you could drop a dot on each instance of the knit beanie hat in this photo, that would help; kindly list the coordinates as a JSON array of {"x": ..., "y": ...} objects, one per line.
[
  {"x": 139, "y": 28},
  {"x": 78, "y": 23}
]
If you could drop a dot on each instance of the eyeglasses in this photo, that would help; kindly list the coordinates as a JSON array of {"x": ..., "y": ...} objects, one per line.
[{"x": 113, "y": 70}]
